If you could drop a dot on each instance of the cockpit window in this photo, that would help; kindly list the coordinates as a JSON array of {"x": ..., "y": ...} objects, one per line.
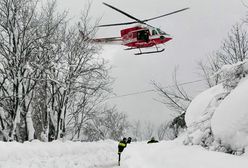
[
  {"x": 154, "y": 32},
  {"x": 161, "y": 32}
]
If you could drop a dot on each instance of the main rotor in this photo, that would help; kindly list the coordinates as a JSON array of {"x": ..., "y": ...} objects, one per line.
[{"x": 136, "y": 20}]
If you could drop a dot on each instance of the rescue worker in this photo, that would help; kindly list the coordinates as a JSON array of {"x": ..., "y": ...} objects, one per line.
[
  {"x": 152, "y": 140},
  {"x": 129, "y": 140},
  {"x": 122, "y": 144},
  {"x": 146, "y": 36}
]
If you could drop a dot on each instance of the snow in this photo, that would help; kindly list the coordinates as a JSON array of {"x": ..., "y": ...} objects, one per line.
[
  {"x": 198, "y": 106},
  {"x": 231, "y": 74},
  {"x": 222, "y": 109},
  {"x": 198, "y": 116},
  {"x": 230, "y": 120},
  {"x": 103, "y": 154},
  {"x": 56, "y": 154},
  {"x": 170, "y": 154}
]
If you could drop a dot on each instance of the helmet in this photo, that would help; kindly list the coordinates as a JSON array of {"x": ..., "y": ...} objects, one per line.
[
  {"x": 124, "y": 139},
  {"x": 153, "y": 138}
]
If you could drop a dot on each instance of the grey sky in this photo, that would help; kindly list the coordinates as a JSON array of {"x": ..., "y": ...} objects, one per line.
[{"x": 196, "y": 33}]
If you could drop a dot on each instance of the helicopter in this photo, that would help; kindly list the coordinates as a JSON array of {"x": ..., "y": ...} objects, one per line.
[{"x": 140, "y": 36}]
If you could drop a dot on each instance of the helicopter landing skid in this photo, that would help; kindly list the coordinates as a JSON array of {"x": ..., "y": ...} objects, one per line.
[
  {"x": 149, "y": 52},
  {"x": 130, "y": 48}
]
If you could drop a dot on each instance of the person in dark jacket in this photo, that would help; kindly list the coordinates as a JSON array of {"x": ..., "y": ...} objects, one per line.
[
  {"x": 129, "y": 140},
  {"x": 152, "y": 140},
  {"x": 121, "y": 146}
]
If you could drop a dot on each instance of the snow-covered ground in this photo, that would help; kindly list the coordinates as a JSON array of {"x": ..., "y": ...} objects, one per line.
[
  {"x": 57, "y": 154},
  {"x": 103, "y": 154}
]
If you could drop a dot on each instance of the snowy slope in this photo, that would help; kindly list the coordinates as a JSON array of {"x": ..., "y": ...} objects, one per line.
[
  {"x": 230, "y": 120},
  {"x": 166, "y": 154}
]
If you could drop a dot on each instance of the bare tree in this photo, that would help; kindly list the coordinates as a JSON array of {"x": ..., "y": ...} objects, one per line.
[
  {"x": 149, "y": 129},
  {"x": 208, "y": 71},
  {"x": 110, "y": 124},
  {"x": 95, "y": 130},
  {"x": 136, "y": 129},
  {"x": 85, "y": 110},
  {"x": 234, "y": 49},
  {"x": 116, "y": 123},
  {"x": 175, "y": 97},
  {"x": 165, "y": 132}
]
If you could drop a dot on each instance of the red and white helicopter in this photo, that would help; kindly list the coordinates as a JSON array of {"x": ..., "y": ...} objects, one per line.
[{"x": 140, "y": 36}]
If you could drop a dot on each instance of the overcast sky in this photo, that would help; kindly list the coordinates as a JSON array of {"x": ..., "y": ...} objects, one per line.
[{"x": 196, "y": 33}]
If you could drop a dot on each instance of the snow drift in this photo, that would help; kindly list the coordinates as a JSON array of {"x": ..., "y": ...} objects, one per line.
[
  {"x": 199, "y": 113},
  {"x": 218, "y": 117},
  {"x": 103, "y": 154},
  {"x": 230, "y": 120},
  {"x": 199, "y": 106},
  {"x": 58, "y": 154}
]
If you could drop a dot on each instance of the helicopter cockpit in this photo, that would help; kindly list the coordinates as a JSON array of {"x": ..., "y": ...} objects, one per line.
[
  {"x": 157, "y": 31},
  {"x": 161, "y": 32}
]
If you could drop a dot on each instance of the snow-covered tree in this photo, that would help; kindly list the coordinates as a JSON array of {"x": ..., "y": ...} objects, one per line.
[
  {"x": 233, "y": 49},
  {"x": 49, "y": 73},
  {"x": 176, "y": 99},
  {"x": 20, "y": 60}
]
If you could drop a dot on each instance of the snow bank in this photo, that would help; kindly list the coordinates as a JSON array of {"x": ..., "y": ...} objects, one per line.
[
  {"x": 59, "y": 154},
  {"x": 230, "y": 120},
  {"x": 199, "y": 105},
  {"x": 222, "y": 109},
  {"x": 103, "y": 154},
  {"x": 169, "y": 154},
  {"x": 198, "y": 116}
]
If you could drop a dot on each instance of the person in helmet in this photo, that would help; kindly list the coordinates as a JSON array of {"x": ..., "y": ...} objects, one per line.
[
  {"x": 129, "y": 140},
  {"x": 152, "y": 140},
  {"x": 121, "y": 146}
]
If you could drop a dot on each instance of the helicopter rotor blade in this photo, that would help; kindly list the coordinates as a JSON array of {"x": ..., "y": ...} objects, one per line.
[
  {"x": 124, "y": 13},
  {"x": 146, "y": 20},
  {"x": 136, "y": 20},
  {"x": 117, "y": 24}
]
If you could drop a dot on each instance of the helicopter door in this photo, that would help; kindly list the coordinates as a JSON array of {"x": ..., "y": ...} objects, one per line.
[{"x": 143, "y": 35}]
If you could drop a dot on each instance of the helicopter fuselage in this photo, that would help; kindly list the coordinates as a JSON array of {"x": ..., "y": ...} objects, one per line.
[{"x": 143, "y": 36}]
